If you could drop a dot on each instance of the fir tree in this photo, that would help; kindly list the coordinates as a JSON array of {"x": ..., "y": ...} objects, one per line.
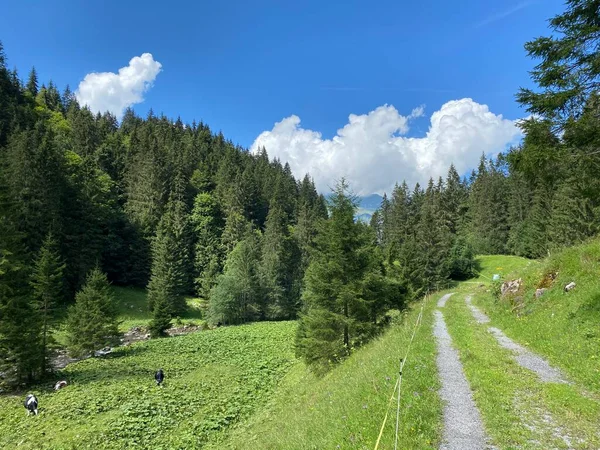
[
  {"x": 236, "y": 298},
  {"x": 161, "y": 315},
  {"x": 278, "y": 267},
  {"x": 207, "y": 222},
  {"x": 48, "y": 290},
  {"x": 171, "y": 257},
  {"x": 19, "y": 344},
  {"x": 32, "y": 83},
  {"x": 332, "y": 322},
  {"x": 92, "y": 320}
]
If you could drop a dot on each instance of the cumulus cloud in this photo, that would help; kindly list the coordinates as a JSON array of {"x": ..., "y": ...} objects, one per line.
[
  {"x": 371, "y": 152},
  {"x": 114, "y": 92}
]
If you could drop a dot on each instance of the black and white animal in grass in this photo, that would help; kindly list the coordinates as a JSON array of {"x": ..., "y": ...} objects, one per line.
[
  {"x": 31, "y": 404},
  {"x": 159, "y": 376}
]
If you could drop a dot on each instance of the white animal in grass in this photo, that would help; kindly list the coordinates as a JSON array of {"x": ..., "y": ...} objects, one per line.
[{"x": 31, "y": 404}]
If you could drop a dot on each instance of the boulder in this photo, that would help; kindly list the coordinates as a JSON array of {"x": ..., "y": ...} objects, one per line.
[
  {"x": 570, "y": 286},
  {"x": 511, "y": 287},
  {"x": 105, "y": 351},
  {"x": 540, "y": 292}
]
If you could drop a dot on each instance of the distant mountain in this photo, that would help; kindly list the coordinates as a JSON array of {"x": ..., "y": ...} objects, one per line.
[
  {"x": 370, "y": 202},
  {"x": 366, "y": 206}
]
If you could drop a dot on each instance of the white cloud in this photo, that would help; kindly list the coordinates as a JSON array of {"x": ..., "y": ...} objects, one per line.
[
  {"x": 371, "y": 153},
  {"x": 108, "y": 91}
]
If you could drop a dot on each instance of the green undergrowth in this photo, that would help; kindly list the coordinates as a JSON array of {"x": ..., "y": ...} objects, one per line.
[
  {"x": 562, "y": 326},
  {"x": 346, "y": 408},
  {"x": 213, "y": 380},
  {"x": 132, "y": 304},
  {"x": 133, "y": 308},
  {"x": 518, "y": 410}
]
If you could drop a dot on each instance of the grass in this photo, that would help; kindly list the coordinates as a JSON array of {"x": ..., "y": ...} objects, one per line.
[
  {"x": 234, "y": 387},
  {"x": 518, "y": 410},
  {"x": 345, "y": 409},
  {"x": 563, "y": 327},
  {"x": 242, "y": 387},
  {"x": 132, "y": 304},
  {"x": 213, "y": 380},
  {"x": 133, "y": 308}
]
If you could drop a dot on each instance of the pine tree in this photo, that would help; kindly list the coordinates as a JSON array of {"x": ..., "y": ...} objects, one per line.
[
  {"x": 48, "y": 290},
  {"x": 32, "y": 83},
  {"x": 237, "y": 297},
  {"x": 572, "y": 216},
  {"x": 568, "y": 71},
  {"x": 161, "y": 315},
  {"x": 278, "y": 267},
  {"x": 92, "y": 321},
  {"x": 19, "y": 345},
  {"x": 171, "y": 256},
  {"x": 333, "y": 321},
  {"x": 207, "y": 222},
  {"x": 434, "y": 239}
]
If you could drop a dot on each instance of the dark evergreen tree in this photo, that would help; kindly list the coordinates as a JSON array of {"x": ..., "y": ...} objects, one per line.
[
  {"x": 278, "y": 267},
  {"x": 171, "y": 256},
  {"x": 32, "y": 83},
  {"x": 333, "y": 320},
  {"x": 237, "y": 296},
  {"x": 48, "y": 291},
  {"x": 568, "y": 71},
  {"x": 161, "y": 315},
  {"x": 92, "y": 320},
  {"x": 19, "y": 344},
  {"x": 207, "y": 222}
]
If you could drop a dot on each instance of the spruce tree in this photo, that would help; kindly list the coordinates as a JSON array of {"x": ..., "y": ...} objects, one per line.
[
  {"x": 48, "y": 290},
  {"x": 572, "y": 216},
  {"x": 278, "y": 267},
  {"x": 568, "y": 72},
  {"x": 207, "y": 222},
  {"x": 332, "y": 322},
  {"x": 237, "y": 296},
  {"x": 19, "y": 344},
  {"x": 171, "y": 257},
  {"x": 92, "y": 321},
  {"x": 32, "y": 83},
  {"x": 161, "y": 315}
]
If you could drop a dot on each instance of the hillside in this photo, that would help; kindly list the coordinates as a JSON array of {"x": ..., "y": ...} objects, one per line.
[
  {"x": 346, "y": 408},
  {"x": 213, "y": 379},
  {"x": 241, "y": 387}
]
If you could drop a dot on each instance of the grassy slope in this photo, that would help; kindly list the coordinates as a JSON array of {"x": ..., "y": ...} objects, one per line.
[
  {"x": 224, "y": 377},
  {"x": 518, "y": 410},
  {"x": 222, "y": 384},
  {"x": 213, "y": 379},
  {"x": 345, "y": 409},
  {"x": 564, "y": 327}
]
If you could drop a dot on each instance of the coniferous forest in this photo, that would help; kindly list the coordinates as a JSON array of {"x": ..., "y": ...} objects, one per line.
[{"x": 87, "y": 201}]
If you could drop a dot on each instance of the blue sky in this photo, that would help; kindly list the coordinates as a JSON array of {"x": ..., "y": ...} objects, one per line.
[{"x": 243, "y": 66}]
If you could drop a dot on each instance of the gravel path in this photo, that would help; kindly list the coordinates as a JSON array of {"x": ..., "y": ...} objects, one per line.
[
  {"x": 529, "y": 360},
  {"x": 463, "y": 429},
  {"x": 442, "y": 301},
  {"x": 480, "y": 317},
  {"x": 524, "y": 357}
]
